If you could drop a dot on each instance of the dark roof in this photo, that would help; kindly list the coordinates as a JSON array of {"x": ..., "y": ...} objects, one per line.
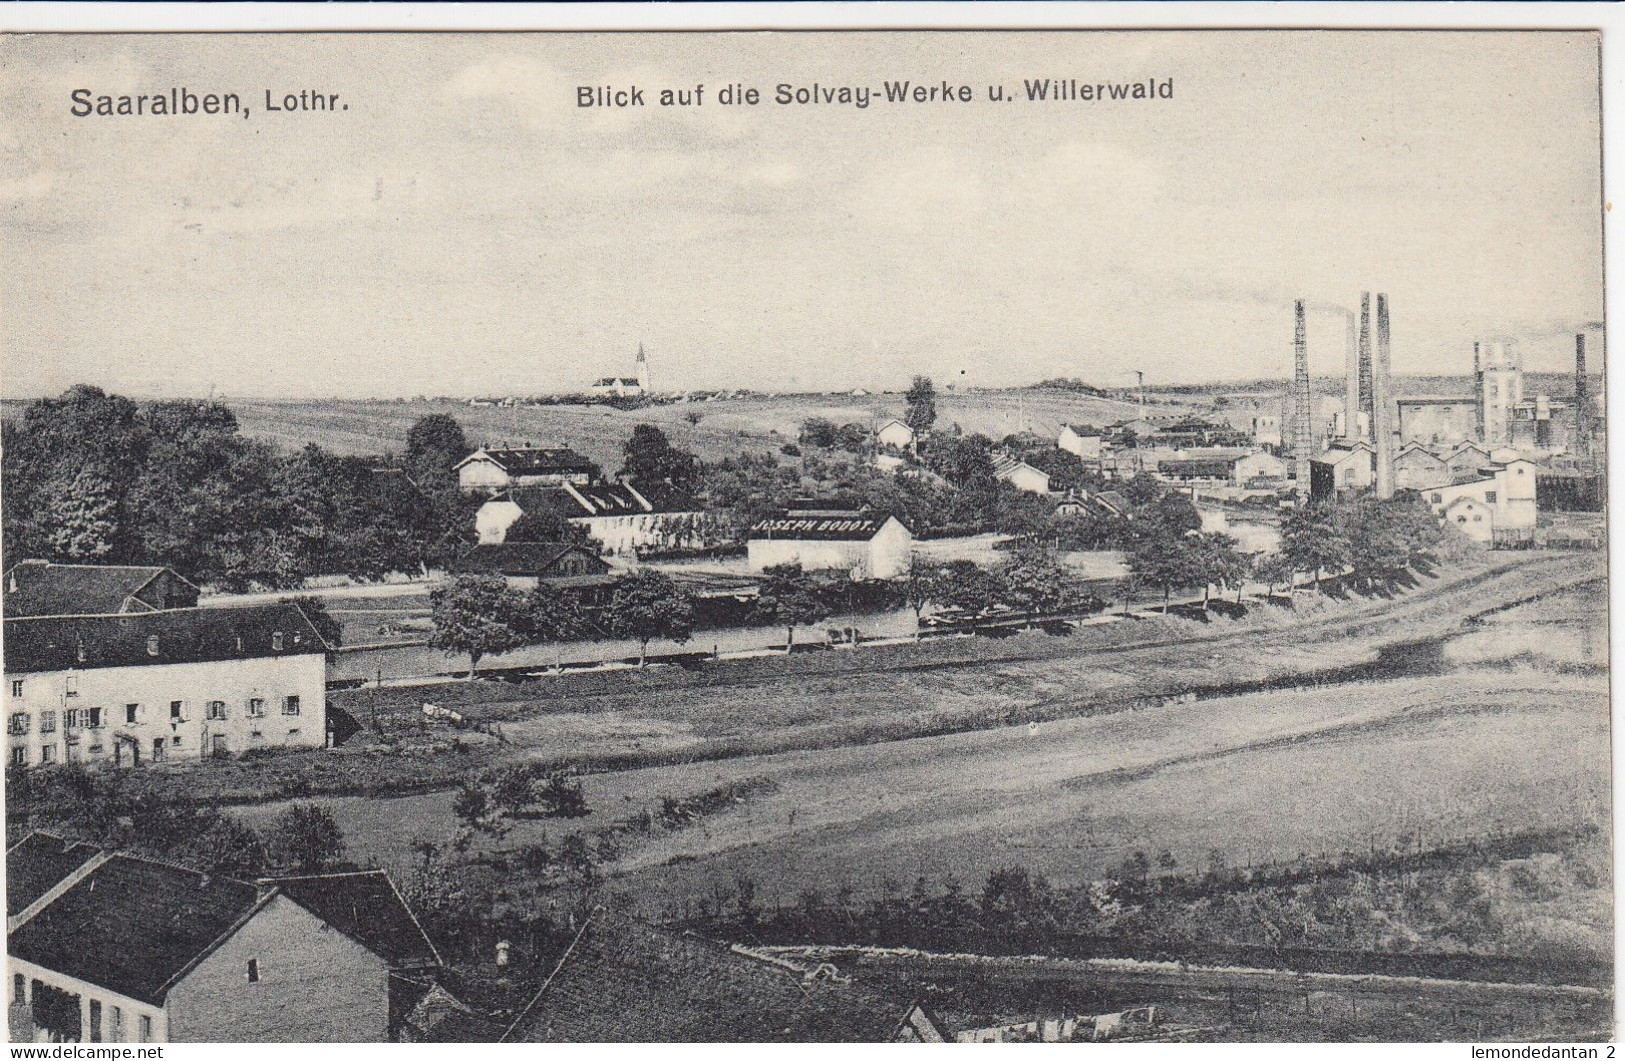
[
  {"x": 184, "y": 635},
  {"x": 38, "y": 863},
  {"x": 133, "y": 926},
  {"x": 602, "y": 499},
  {"x": 75, "y": 589},
  {"x": 1084, "y": 430},
  {"x": 1216, "y": 467},
  {"x": 627, "y": 981},
  {"x": 532, "y": 559},
  {"x": 852, "y": 528},
  {"x": 366, "y": 907},
  {"x": 1429, "y": 399},
  {"x": 535, "y": 460}
]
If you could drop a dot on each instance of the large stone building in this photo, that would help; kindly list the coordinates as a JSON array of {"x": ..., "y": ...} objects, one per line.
[
  {"x": 1498, "y": 507},
  {"x": 494, "y": 469},
  {"x": 105, "y": 947},
  {"x": 621, "y": 517},
  {"x": 865, "y": 544},
  {"x": 187, "y": 683}
]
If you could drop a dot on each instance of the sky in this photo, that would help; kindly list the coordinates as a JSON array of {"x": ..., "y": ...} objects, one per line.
[{"x": 465, "y": 228}]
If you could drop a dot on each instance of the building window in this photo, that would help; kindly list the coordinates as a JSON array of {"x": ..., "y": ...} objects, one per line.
[
  {"x": 293, "y": 735},
  {"x": 176, "y": 740},
  {"x": 115, "y": 1024},
  {"x": 152, "y": 644},
  {"x": 175, "y": 707},
  {"x": 217, "y": 710},
  {"x": 17, "y": 687},
  {"x": 146, "y": 1028},
  {"x": 276, "y": 641},
  {"x": 132, "y": 713},
  {"x": 70, "y": 718},
  {"x": 19, "y": 988},
  {"x": 1438, "y": 499},
  {"x": 47, "y": 754},
  {"x": 70, "y": 685},
  {"x": 19, "y": 723},
  {"x": 256, "y": 707},
  {"x": 1489, "y": 497},
  {"x": 157, "y": 749},
  {"x": 93, "y": 718},
  {"x": 47, "y": 721},
  {"x": 19, "y": 756},
  {"x": 95, "y": 1021},
  {"x": 253, "y": 970},
  {"x": 290, "y": 705}
]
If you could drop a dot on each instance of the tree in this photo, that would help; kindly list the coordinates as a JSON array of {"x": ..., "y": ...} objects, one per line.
[
  {"x": 648, "y": 605},
  {"x": 787, "y": 596},
  {"x": 306, "y": 839},
  {"x": 818, "y": 432},
  {"x": 1273, "y": 570},
  {"x": 963, "y": 585},
  {"x": 1312, "y": 539},
  {"x": 1165, "y": 559},
  {"x": 922, "y": 405},
  {"x": 650, "y": 457},
  {"x": 82, "y": 518},
  {"x": 919, "y": 586},
  {"x": 1035, "y": 583},
  {"x": 435, "y": 443},
  {"x": 227, "y": 847},
  {"x": 479, "y": 615},
  {"x": 476, "y": 808},
  {"x": 544, "y": 523},
  {"x": 1214, "y": 558}
]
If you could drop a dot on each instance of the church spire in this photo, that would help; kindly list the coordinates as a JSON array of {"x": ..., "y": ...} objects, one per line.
[{"x": 643, "y": 370}]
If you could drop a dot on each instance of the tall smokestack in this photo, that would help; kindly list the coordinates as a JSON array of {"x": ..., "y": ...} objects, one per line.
[
  {"x": 1302, "y": 429},
  {"x": 1582, "y": 434},
  {"x": 1478, "y": 394},
  {"x": 1365, "y": 366},
  {"x": 1382, "y": 406},
  {"x": 1351, "y": 379}
]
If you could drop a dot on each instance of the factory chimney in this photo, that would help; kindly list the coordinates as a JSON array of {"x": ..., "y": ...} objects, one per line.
[
  {"x": 1382, "y": 404},
  {"x": 1364, "y": 406},
  {"x": 1302, "y": 429},
  {"x": 1582, "y": 434},
  {"x": 1478, "y": 394},
  {"x": 1351, "y": 380}
]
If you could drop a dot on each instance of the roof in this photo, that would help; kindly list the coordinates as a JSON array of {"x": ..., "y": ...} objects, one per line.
[
  {"x": 144, "y": 639},
  {"x": 1112, "y": 500},
  {"x": 617, "y": 381},
  {"x": 133, "y": 926},
  {"x": 1435, "y": 399},
  {"x": 1083, "y": 430},
  {"x": 603, "y": 499},
  {"x": 627, "y": 981},
  {"x": 851, "y": 528},
  {"x": 366, "y": 907},
  {"x": 1004, "y": 466},
  {"x": 1216, "y": 467},
  {"x": 37, "y": 863},
  {"x": 520, "y": 558},
  {"x": 75, "y": 589},
  {"x": 533, "y": 460}
]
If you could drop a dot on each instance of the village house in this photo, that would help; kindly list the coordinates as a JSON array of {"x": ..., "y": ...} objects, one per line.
[
  {"x": 621, "y": 517},
  {"x": 865, "y": 544},
  {"x": 1465, "y": 460},
  {"x": 1497, "y": 508},
  {"x": 39, "y": 587},
  {"x": 1020, "y": 474},
  {"x": 1345, "y": 466},
  {"x": 1081, "y": 441},
  {"x": 622, "y": 980},
  {"x": 187, "y": 683},
  {"x": 562, "y": 565},
  {"x": 105, "y": 947},
  {"x": 1419, "y": 468},
  {"x": 1241, "y": 470},
  {"x": 1267, "y": 432},
  {"x": 493, "y": 469},
  {"x": 896, "y": 434}
]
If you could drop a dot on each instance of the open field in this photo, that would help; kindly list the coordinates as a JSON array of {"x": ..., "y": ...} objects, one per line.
[
  {"x": 726, "y": 425},
  {"x": 1108, "y": 768}
]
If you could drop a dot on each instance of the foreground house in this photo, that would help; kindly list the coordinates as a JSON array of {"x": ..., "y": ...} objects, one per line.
[
  {"x": 1496, "y": 508},
  {"x": 1020, "y": 474},
  {"x": 496, "y": 469},
  {"x": 621, "y": 517},
  {"x": 625, "y": 981},
  {"x": 866, "y": 544},
  {"x": 188, "y": 683},
  {"x": 562, "y": 565},
  {"x": 39, "y": 587},
  {"x": 106, "y": 947}
]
